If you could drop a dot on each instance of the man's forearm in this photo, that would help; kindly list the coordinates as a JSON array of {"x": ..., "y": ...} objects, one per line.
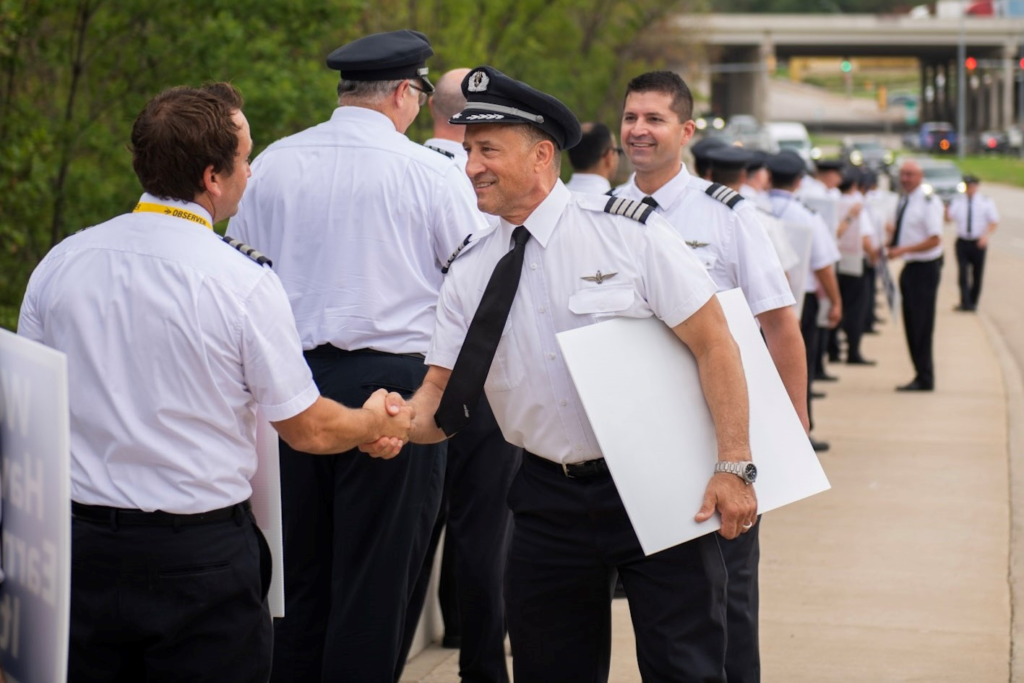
[
  {"x": 827, "y": 278},
  {"x": 929, "y": 243},
  {"x": 786, "y": 346},
  {"x": 725, "y": 390},
  {"x": 425, "y": 401}
]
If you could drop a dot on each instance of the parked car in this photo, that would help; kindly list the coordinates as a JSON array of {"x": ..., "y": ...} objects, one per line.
[
  {"x": 792, "y": 136},
  {"x": 993, "y": 142},
  {"x": 937, "y": 137},
  {"x": 941, "y": 176},
  {"x": 709, "y": 122},
  {"x": 747, "y": 131},
  {"x": 866, "y": 154}
]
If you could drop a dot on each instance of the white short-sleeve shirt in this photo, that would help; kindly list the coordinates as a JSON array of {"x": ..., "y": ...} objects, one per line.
[
  {"x": 646, "y": 271},
  {"x": 824, "y": 252},
  {"x": 982, "y": 214},
  {"x": 588, "y": 183},
  {"x": 731, "y": 242},
  {"x": 358, "y": 220},
  {"x": 921, "y": 219},
  {"x": 173, "y": 339}
]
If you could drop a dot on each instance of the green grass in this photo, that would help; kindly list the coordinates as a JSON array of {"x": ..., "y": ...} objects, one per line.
[
  {"x": 992, "y": 168},
  {"x": 9, "y": 317}
]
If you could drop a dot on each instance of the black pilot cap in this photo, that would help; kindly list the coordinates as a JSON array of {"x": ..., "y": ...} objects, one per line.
[
  {"x": 785, "y": 166},
  {"x": 384, "y": 57},
  {"x": 829, "y": 165},
  {"x": 729, "y": 158},
  {"x": 493, "y": 97},
  {"x": 700, "y": 149},
  {"x": 971, "y": 179},
  {"x": 757, "y": 160}
]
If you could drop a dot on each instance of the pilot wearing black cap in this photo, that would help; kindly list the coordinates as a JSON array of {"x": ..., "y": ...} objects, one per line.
[
  {"x": 729, "y": 165},
  {"x": 558, "y": 261},
  {"x": 758, "y": 180},
  {"x": 976, "y": 218},
  {"x": 699, "y": 150},
  {"x": 359, "y": 221},
  {"x": 787, "y": 170}
]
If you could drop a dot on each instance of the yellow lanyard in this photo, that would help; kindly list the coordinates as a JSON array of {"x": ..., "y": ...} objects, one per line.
[{"x": 146, "y": 207}]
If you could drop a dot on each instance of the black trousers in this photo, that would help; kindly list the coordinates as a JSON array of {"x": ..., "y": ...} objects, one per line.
[
  {"x": 919, "y": 286},
  {"x": 870, "y": 296},
  {"x": 854, "y": 296},
  {"x": 743, "y": 653},
  {"x": 480, "y": 468},
  {"x": 163, "y": 605},
  {"x": 355, "y": 533},
  {"x": 810, "y": 331},
  {"x": 570, "y": 537},
  {"x": 970, "y": 260}
]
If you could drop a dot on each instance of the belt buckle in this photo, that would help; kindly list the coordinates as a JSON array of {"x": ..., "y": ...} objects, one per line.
[{"x": 565, "y": 470}]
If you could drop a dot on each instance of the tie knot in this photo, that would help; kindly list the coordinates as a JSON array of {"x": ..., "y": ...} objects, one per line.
[
  {"x": 649, "y": 201},
  {"x": 520, "y": 235}
]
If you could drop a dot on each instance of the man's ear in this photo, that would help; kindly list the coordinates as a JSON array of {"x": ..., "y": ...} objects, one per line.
[
  {"x": 211, "y": 182},
  {"x": 544, "y": 153}
]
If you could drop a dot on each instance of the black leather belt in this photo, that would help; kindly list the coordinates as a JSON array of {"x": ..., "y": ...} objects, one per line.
[
  {"x": 334, "y": 351},
  {"x": 102, "y": 514},
  {"x": 576, "y": 470}
]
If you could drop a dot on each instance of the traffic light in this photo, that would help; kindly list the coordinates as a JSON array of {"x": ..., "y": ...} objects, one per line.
[
  {"x": 971, "y": 63},
  {"x": 1021, "y": 63},
  {"x": 847, "y": 67}
]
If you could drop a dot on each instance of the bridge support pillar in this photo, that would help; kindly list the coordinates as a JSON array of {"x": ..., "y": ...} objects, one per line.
[{"x": 1009, "y": 62}]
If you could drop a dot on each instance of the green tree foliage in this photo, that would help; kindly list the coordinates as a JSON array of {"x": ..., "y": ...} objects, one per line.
[
  {"x": 811, "y": 6},
  {"x": 75, "y": 73}
]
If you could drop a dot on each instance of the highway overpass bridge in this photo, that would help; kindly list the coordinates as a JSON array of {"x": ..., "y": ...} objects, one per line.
[{"x": 742, "y": 47}]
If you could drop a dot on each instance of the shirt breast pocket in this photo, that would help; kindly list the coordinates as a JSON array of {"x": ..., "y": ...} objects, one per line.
[
  {"x": 507, "y": 369},
  {"x": 707, "y": 258},
  {"x": 601, "y": 302}
]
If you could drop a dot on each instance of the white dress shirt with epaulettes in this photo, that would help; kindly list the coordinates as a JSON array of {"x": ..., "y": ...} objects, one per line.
[
  {"x": 731, "y": 242},
  {"x": 588, "y": 183},
  {"x": 983, "y": 213},
  {"x": 358, "y": 220},
  {"x": 922, "y": 219},
  {"x": 173, "y": 338},
  {"x": 647, "y": 271},
  {"x": 824, "y": 251}
]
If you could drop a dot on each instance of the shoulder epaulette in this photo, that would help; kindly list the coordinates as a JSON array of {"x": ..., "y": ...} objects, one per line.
[
  {"x": 807, "y": 206},
  {"x": 724, "y": 194},
  {"x": 611, "y": 192},
  {"x": 455, "y": 255},
  {"x": 441, "y": 151},
  {"x": 248, "y": 251},
  {"x": 620, "y": 206}
]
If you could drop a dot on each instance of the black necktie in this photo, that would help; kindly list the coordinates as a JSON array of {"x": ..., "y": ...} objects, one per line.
[
  {"x": 649, "y": 201},
  {"x": 899, "y": 221},
  {"x": 474, "y": 361},
  {"x": 969, "y": 200}
]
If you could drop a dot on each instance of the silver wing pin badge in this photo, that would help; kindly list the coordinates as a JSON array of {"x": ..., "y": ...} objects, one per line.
[
  {"x": 598, "y": 277},
  {"x": 694, "y": 244}
]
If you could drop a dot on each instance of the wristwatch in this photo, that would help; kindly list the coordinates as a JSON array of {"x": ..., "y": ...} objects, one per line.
[{"x": 747, "y": 471}]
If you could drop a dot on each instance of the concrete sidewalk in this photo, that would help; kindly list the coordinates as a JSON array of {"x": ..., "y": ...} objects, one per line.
[{"x": 900, "y": 572}]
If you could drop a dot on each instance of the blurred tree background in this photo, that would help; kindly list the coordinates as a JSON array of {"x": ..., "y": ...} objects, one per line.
[{"x": 75, "y": 73}]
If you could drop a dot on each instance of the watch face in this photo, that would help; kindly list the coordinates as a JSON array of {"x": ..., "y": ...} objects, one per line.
[{"x": 750, "y": 472}]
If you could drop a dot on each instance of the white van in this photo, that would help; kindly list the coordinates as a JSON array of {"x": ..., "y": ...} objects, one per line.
[{"x": 792, "y": 136}]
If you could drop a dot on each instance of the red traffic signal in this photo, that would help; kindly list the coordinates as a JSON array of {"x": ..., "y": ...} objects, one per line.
[
  {"x": 971, "y": 63},
  {"x": 1021, "y": 62}
]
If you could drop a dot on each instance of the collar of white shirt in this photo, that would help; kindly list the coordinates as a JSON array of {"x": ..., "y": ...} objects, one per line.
[
  {"x": 148, "y": 198},
  {"x": 541, "y": 223},
  {"x": 363, "y": 117},
  {"x": 449, "y": 146},
  {"x": 669, "y": 193}
]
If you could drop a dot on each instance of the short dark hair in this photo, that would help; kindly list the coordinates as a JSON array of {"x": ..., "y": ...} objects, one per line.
[
  {"x": 593, "y": 145},
  {"x": 532, "y": 134},
  {"x": 667, "y": 82},
  {"x": 181, "y": 132}
]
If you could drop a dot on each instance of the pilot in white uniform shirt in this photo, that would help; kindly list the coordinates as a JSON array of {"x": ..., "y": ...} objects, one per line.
[
  {"x": 922, "y": 219},
  {"x": 730, "y": 242},
  {"x": 589, "y": 183},
  {"x": 824, "y": 251},
  {"x": 331, "y": 253},
  {"x": 635, "y": 271},
  {"x": 224, "y": 344},
  {"x": 982, "y": 212}
]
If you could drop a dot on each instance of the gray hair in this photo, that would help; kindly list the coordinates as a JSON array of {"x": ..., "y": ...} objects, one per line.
[
  {"x": 366, "y": 91},
  {"x": 448, "y": 97}
]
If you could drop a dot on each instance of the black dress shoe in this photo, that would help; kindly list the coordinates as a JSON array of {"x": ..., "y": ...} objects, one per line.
[
  {"x": 819, "y": 446},
  {"x": 871, "y": 330},
  {"x": 818, "y": 394},
  {"x": 451, "y": 642},
  {"x": 859, "y": 361},
  {"x": 823, "y": 377},
  {"x": 914, "y": 386}
]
